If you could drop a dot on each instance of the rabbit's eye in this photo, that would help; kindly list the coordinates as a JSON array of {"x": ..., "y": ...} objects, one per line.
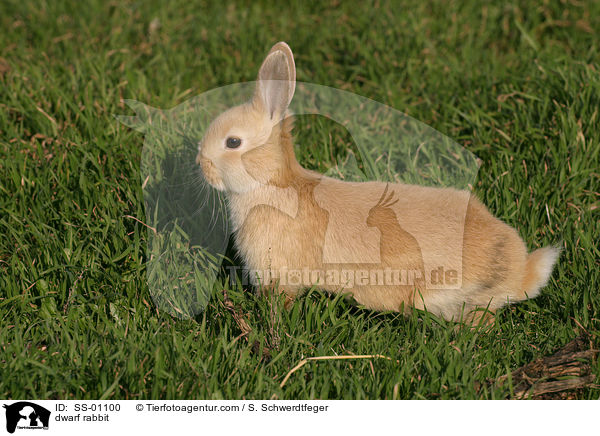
[{"x": 233, "y": 142}]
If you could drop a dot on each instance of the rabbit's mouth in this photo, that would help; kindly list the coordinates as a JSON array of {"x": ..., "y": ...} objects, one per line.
[{"x": 211, "y": 175}]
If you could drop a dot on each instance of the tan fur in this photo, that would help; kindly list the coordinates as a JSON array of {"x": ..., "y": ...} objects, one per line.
[{"x": 288, "y": 218}]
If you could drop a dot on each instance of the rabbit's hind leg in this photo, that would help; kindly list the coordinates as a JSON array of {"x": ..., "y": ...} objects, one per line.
[{"x": 459, "y": 305}]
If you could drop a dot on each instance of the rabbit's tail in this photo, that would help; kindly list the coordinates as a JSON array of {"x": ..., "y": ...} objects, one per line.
[{"x": 538, "y": 269}]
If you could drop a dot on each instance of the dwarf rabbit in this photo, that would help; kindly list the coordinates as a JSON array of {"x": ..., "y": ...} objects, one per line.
[{"x": 381, "y": 243}]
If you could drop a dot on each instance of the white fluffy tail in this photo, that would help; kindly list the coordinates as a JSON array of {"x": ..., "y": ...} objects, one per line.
[{"x": 538, "y": 269}]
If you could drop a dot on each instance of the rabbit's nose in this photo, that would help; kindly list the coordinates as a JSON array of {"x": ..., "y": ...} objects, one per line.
[{"x": 199, "y": 158}]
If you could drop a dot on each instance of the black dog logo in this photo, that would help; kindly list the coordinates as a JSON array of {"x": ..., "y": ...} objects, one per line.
[{"x": 30, "y": 413}]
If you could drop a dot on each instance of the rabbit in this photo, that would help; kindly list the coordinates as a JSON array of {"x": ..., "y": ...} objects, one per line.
[{"x": 282, "y": 217}]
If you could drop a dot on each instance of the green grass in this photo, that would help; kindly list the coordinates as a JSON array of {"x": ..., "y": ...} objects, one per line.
[{"x": 517, "y": 83}]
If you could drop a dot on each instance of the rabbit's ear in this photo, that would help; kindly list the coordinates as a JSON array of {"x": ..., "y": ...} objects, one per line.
[{"x": 276, "y": 81}]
